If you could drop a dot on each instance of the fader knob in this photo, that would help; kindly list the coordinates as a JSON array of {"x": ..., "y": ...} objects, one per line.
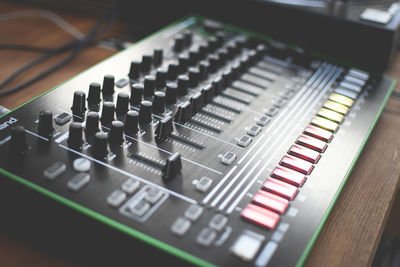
[
  {"x": 131, "y": 122},
  {"x": 18, "y": 140},
  {"x": 99, "y": 149},
  {"x": 79, "y": 103},
  {"x": 92, "y": 123},
  {"x": 149, "y": 85},
  {"x": 135, "y": 69},
  {"x": 107, "y": 114},
  {"x": 116, "y": 135},
  {"x": 170, "y": 93},
  {"x": 147, "y": 61},
  {"x": 164, "y": 127},
  {"x": 183, "y": 84},
  {"x": 122, "y": 103},
  {"x": 94, "y": 94},
  {"x": 158, "y": 57},
  {"x": 45, "y": 127},
  {"x": 159, "y": 102},
  {"x": 136, "y": 94},
  {"x": 183, "y": 113},
  {"x": 146, "y": 108},
  {"x": 172, "y": 167},
  {"x": 75, "y": 135},
  {"x": 108, "y": 85}
]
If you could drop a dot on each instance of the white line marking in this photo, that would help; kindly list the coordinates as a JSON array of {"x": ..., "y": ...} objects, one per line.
[
  {"x": 254, "y": 145},
  {"x": 38, "y": 136},
  {"x": 215, "y": 189},
  {"x": 62, "y": 138}
]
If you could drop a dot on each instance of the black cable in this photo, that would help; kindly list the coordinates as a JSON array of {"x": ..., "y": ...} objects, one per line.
[
  {"x": 28, "y": 48},
  {"x": 77, "y": 45},
  {"x": 396, "y": 95}
]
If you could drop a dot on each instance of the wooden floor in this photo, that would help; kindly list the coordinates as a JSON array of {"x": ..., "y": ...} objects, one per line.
[{"x": 352, "y": 230}]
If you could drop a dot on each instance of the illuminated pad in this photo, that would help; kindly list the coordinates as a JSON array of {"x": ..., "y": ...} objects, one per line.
[
  {"x": 260, "y": 216},
  {"x": 247, "y": 245},
  {"x": 325, "y": 124},
  {"x": 336, "y": 107},
  {"x": 344, "y": 100},
  {"x": 331, "y": 115}
]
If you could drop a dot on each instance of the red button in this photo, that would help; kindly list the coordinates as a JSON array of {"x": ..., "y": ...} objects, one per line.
[
  {"x": 312, "y": 143},
  {"x": 281, "y": 188},
  {"x": 271, "y": 201},
  {"x": 288, "y": 175},
  {"x": 304, "y": 153},
  {"x": 319, "y": 133},
  {"x": 260, "y": 216},
  {"x": 297, "y": 164}
]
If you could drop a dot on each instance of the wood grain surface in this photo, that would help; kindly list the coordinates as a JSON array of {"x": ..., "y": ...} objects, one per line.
[{"x": 353, "y": 229}]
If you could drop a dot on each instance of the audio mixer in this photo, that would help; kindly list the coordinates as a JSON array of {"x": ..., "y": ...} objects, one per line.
[{"x": 215, "y": 144}]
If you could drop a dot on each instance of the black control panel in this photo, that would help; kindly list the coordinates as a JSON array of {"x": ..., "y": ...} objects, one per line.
[{"x": 215, "y": 144}]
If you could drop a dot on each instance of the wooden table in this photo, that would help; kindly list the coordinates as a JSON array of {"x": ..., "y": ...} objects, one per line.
[{"x": 353, "y": 229}]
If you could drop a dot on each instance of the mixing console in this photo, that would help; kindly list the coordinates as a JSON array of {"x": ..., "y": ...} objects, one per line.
[{"x": 217, "y": 145}]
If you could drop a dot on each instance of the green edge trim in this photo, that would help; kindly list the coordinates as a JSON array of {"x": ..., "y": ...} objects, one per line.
[
  {"x": 123, "y": 228},
  {"x": 328, "y": 211}
]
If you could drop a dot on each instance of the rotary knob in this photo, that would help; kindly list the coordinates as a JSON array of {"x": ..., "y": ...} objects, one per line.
[
  {"x": 116, "y": 136},
  {"x": 147, "y": 62},
  {"x": 159, "y": 102},
  {"x": 94, "y": 94},
  {"x": 45, "y": 127},
  {"x": 183, "y": 84},
  {"x": 161, "y": 78},
  {"x": 122, "y": 103},
  {"x": 108, "y": 85},
  {"x": 134, "y": 70},
  {"x": 178, "y": 44},
  {"x": 107, "y": 114},
  {"x": 173, "y": 71},
  {"x": 99, "y": 149},
  {"x": 75, "y": 135},
  {"x": 170, "y": 93},
  {"x": 149, "y": 85},
  {"x": 136, "y": 94},
  {"x": 92, "y": 123},
  {"x": 79, "y": 103},
  {"x": 158, "y": 57},
  {"x": 146, "y": 108},
  {"x": 131, "y": 122}
]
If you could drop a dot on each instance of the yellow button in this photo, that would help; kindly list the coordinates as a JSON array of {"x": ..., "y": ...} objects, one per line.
[
  {"x": 325, "y": 124},
  {"x": 336, "y": 107},
  {"x": 331, "y": 115},
  {"x": 341, "y": 99}
]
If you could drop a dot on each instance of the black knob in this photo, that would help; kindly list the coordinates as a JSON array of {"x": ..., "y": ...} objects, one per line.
[
  {"x": 183, "y": 60},
  {"x": 208, "y": 93},
  {"x": 184, "y": 112},
  {"x": 194, "y": 77},
  {"x": 45, "y": 127},
  {"x": 261, "y": 49},
  {"x": 218, "y": 84},
  {"x": 183, "y": 84},
  {"x": 244, "y": 63},
  {"x": 94, "y": 94},
  {"x": 214, "y": 62},
  {"x": 203, "y": 51},
  {"x": 252, "y": 56},
  {"x": 172, "y": 167},
  {"x": 147, "y": 61},
  {"x": 227, "y": 76},
  {"x": 173, "y": 71},
  {"x": 187, "y": 38},
  {"x": 108, "y": 85},
  {"x": 131, "y": 122},
  {"x": 203, "y": 67},
  {"x": 136, "y": 94},
  {"x": 161, "y": 78},
  {"x": 107, "y": 114},
  {"x": 170, "y": 93},
  {"x": 197, "y": 101},
  {"x": 92, "y": 123},
  {"x": 164, "y": 127},
  {"x": 158, "y": 57},
  {"x": 220, "y": 38},
  {"x": 159, "y": 102},
  {"x": 75, "y": 135},
  {"x": 223, "y": 56},
  {"x": 79, "y": 103},
  {"x": 135, "y": 69},
  {"x": 194, "y": 56},
  {"x": 99, "y": 149},
  {"x": 146, "y": 108},
  {"x": 212, "y": 44},
  {"x": 122, "y": 103},
  {"x": 236, "y": 72},
  {"x": 18, "y": 140},
  {"x": 116, "y": 135},
  {"x": 149, "y": 85},
  {"x": 231, "y": 48},
  {"x": 178, "y": 44}
]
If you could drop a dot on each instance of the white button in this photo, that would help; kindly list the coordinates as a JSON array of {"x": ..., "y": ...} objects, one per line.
[
  {"x": 116, "y": 198},
  {"x": 228, "y": 158},
  {"x": 263, "y": 120},
  {"x": 218, "y": 222},
  {"x": 206, "y": 237},
  {"x": 130, "y": 186},
  {"x": 139, "y": 208},
  {"x": 180, "y": 226},
  {"x": 78, "y": 181},
  {"x": 82, "y": 164},
  {"x": 271, "y": 111},
  {"x": 55, "y": 170},
  {"x": 193, "y": 212},
  {"x": 247, "y": 245},
  {"x": 254, "y": 130},
  {"x": 244, "y": 141},
  {"x": 204, "y": 184},
  {"x": 153, "y": 194}
]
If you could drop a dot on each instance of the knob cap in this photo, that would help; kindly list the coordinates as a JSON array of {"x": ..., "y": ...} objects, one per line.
[
  {"x": 131, "y": 122},
  {"x": 183, "y": 61},
  {"x": 223, "y": 56},
  {"x": 161, "y": 78},
  {"x": 94, "y": 94},
  {"x": 159, "y": 102},
  {"x": 208, "y": 93},
  {"x": 18, "y": 140},
  {"x": 92, "y": 123},
  {"x": 183, "y": 84},
  {"x": 203, "y": 51},
  {"x": 122, "y": 103},
  {"x": 214, "y": 62},
  {"x": 116, "y": 136},
  {"x": 146, "y": 108},
  {"x": 170, "y": 93},
  {"x": 172, "y": 167},
  {"x": 45, "y": 127},
  {"x": 107, "y": 114},
  {"x": 136, "y": 94},
  {"x": 178, "y": 44},
  {"x": 218, "y": 85},
  {"x": 203, "y": 67},
  {"x": 149, "y": 85},
  {"x": 197, "y": 101},
  {"x": 227, "y": 77},
  {"x": 108, "y": 85},
  {"x": 194, "y": 77},
  {"x": 164, "y": 128},
  {"x": 79, "y": 103},
  {"x": 194, "y": 56},
  {"x": 75, "y": 135},
  {"x": 147, "y": 62},
  {"x": 173, "y": 71},
  {"x": 134, "y": 70},
  {"x": 158, "y": 57},
  {"x": 99, "y": 149},
  {"x": 183, "y": 113},
  {"x": 187, "y": 38},
  {"x": 236, "y": 72}
]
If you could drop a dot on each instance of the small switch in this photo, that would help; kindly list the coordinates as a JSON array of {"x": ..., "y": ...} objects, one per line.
[{"x": 228, "y": 158}]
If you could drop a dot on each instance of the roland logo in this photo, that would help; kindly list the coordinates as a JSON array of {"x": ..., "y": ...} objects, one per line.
[{"x": 5, "y": 124}]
